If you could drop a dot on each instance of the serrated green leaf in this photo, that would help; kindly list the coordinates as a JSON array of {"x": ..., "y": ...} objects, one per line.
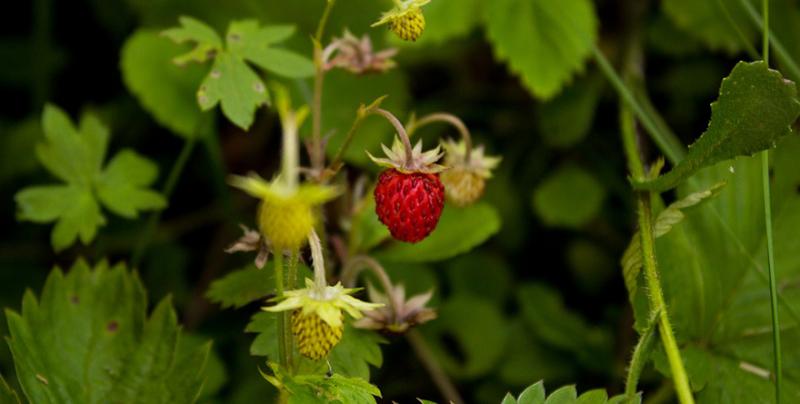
[
  {"x": 309, "y": 389},
  {"x": 597, "y": 396},
  {"x": 165, "y": 90},
  {"x": 207, "y": 41},
  {"x": 713, "y": 270},
  {"x": 566, "y": 119},
  {"x": 509, "y": 399},
  {"x": 533, "y": 394},
  {"x": 544, "y": 312},
  {"x": 458, "y": 231},
  {"x": 7, "y": 394},
  {"x": 459, "y": 317},
  {"x": 631, "y": 260},
  {"x": 357, "y": 350},
  {"x": 88, "y": 340},
  {"x": 264, "y": 324},
  {"x": 707, "y": 21},
  {"x": 570, "y": 197},
  {"x": 544, "y": 42},
  {"x": 76, "y": 155},
  {"x": 122, "y": 187},
  {"x": 250, "y": 41},
  {"x": 756, "y": 108},
  {"x": 564, "y": 395},
  {"x": 243, "y": 286},
  {"x": 233, "y": 85}
]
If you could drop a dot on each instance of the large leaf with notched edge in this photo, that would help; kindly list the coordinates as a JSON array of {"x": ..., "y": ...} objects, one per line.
[
  {"x": 88, "y": 339},
  {"x": 713, "y": 268},
  {"x": 458, "y": 231},
  {"x": 545, "y": 42},
  {"x": 536, "y": 394},
  {"x": 756, "y": 108}
]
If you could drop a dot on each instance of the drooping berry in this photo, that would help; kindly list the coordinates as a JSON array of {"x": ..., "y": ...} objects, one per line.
[
  {"x": 409, "y": 197},
  {"x": 465, "y": 179},
  {"x": 405, "y": 19},
  {"x": 409, "y": 204},
  {"x": 315, "y": 338}
]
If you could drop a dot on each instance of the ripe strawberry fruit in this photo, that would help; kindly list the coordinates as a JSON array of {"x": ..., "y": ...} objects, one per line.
[{"x": 409, "y": 196}]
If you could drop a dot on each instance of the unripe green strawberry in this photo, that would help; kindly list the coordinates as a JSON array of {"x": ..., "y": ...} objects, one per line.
[
  {"x": 285, "y": 216},
  {"x": 465, "y": 179},
  {"x": 405, "y": 19},
  {"x": 315, "y": 338}
]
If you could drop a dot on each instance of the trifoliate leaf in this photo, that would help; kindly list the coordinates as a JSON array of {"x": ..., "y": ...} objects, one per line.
[
  {"x": 165, "y": 90},
  {"x": 7, "y": 394},
  {"x": 713, "y": 269},
  {"x": 241, "y": 287},
  {"x": 707, "y": 21},
  {"x": 207, "y": 42},
  {"x": 76, "y": 156},
  {"x": 545, "y": 42},
  {"x": 236, "y": 87},
  {"x": 458, "y": 231},
  {"x": 668, "y": 218},
  {"x": 756, "y": 108},
  {"x": 122, "y": 186},
  {"x": 570, "y": 197},
  {"x": 535, "y": 394},
  {"x": 88, "y": 339},
  {"x": 356, "y": 352},
  {"x": 336, "y": 389},
  {"x": 231, "y": 82}
]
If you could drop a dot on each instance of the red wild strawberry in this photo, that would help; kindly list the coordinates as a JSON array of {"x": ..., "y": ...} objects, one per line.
[{"x": 409, "y": 196}]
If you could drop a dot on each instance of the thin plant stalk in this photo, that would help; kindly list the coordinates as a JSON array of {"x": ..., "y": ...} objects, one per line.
[
  {"x": 650, "y": 264},
  {"x": 767, "y": 192},
  {"x": 401, "y": 131},
  {"x": 283, "y": 351},
  {"x": 317, "y": 148},
  {"x": 438, "y": 374},
  {"x": 169, "y": 186},
  {"x": 781, "y": 53}
]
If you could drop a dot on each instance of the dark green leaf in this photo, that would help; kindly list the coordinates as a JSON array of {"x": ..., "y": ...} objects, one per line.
[
  {"x": 357, "y": 350},
  {"x": 566, "y": 120},
  {"x": 707, "y": 21},
  {"x": 88, "y": 340},
  {"x": 458, "y": 231},
  {"x": 756, "y": 108},
  {"x": 544, "y": 42},
  {"x": 570, "y": 197},
  {"x": 236, "y": 87},
  {"x": 241, "y": 287},
  {"x": 165, "y": 90}
]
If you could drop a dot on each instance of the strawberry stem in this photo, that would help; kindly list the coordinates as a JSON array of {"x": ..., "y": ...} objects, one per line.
[
  {"x": 446, "y": 118},
  {"x": 401, "y": 132},
  {"x": 356, "y": 264},
  {"x": 319, "y": 265}
]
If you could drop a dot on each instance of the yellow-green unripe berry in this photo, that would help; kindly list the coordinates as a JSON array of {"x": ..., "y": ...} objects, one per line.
[
  {"x": 315, "y": 338},
  {"x": 408, "y": 26},
  {"x": 285, "y": 222},
  {"x": 462, "y": 186}
]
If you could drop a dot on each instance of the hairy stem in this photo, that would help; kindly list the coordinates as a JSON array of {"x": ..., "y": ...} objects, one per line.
[
  {"x": 356, "y": 264},
  {"x": 656, "y": 295},
  {"x": 446, "y": 118},
  {"x": 440, "y": 378},
  {"x": 640, "y": 355},
  {"x": 169, "y": 186}
]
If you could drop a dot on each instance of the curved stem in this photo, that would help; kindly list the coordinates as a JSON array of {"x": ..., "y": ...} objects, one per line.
[
  {"x": 440, "y": 378},
  {"x": 401, "y": 131},
  {"x": 316, "y": 257},
  {"x": 640, "y": 355},
  {"x": 356, "y": 264},
  {"x": 446, "y": 118}
]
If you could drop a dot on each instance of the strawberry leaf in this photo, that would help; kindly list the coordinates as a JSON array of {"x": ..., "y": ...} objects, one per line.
[
  {"x": 76, "y": 156},
  {"x": 88, "y": 339},
  {"x": 756, "y": 108}
]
